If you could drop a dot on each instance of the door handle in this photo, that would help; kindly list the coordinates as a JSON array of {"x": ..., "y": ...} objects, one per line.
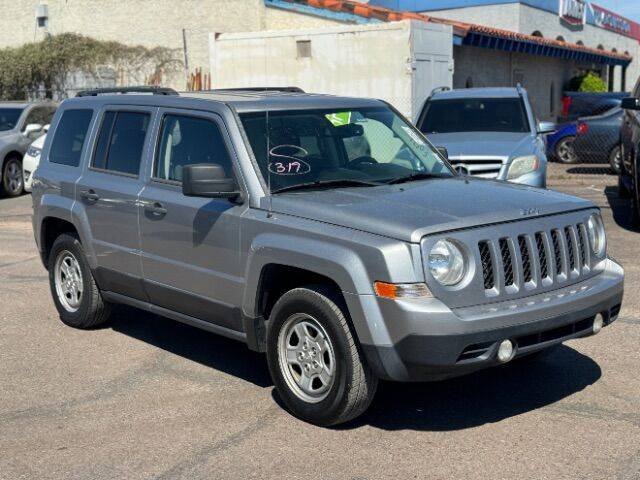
[
  {"x": 90, "y": 195},
  {"x": 156, "y": 209}
]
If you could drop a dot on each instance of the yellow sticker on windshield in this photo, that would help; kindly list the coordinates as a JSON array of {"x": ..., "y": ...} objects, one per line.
[{"x": 339, "y": 119}]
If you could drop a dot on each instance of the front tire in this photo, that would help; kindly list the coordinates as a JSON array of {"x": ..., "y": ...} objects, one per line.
[
  {"x": 564, "y": 151},
  {"x": 12, "y": 179},
  {"x": 314, "y": 359},
  {"x": 75, "y": 293}
]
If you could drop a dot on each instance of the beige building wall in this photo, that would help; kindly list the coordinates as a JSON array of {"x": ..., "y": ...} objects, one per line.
[{"x": 149, "y": 22}]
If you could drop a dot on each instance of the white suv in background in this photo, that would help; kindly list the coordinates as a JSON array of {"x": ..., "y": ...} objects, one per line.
[{"x": 32, "y": 159}]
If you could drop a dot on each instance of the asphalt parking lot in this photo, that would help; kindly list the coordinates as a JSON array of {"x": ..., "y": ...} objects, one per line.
[{"x": 149, "y": 398}]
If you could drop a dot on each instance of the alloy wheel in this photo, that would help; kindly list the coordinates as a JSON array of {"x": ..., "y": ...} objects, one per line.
[
  {"x": 565, "y": 151},
  {"x": 14, "y": 179},
  {"x": 306, "y": 358},
  {"x": 68, "y": 281}
]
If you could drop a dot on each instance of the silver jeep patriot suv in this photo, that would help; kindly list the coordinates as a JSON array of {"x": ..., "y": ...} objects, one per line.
[{"x": 324, "y": 231}]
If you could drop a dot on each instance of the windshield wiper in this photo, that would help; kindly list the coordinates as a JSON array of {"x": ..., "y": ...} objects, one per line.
[
  {"x": 327, "y": 184},
  {"x": 414, "y": 176}
]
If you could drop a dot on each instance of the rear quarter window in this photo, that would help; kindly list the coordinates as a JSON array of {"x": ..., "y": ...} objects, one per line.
[{"x": 70, "y": 136}]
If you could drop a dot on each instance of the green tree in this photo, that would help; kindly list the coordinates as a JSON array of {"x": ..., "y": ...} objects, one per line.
[
  {"x": 588, "y": 82},
  {"x": 49, "y": 64}
]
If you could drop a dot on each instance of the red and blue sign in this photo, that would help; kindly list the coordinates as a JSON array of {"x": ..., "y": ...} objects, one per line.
[{"x": 575, "y": 12}]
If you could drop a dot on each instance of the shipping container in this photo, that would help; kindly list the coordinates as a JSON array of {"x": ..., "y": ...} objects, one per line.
[{"x": 400, "y": 62}]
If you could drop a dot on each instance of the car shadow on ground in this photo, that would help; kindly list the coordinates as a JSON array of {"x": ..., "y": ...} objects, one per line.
[
  {"x": 483, "y": 397},
  {"x": 205, "y": 348},
  {"x": 621, "y": 209},
  {"x": 479, "y": 398}
]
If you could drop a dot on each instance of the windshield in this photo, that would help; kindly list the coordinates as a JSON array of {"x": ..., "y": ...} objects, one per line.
[
  {"x": 475, "y": 115},
  {"x": 365, "y": 146},
  {"x": 9, "y": 118}
]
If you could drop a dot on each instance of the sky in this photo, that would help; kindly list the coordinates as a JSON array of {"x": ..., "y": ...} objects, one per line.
[{"x": 627, "y": 8}]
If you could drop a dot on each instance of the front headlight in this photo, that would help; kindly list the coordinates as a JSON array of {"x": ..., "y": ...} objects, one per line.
[
  {"x": 447, "y": 263},
  {"x": 34, "y": 151},
  {"x": 597, "y": 236},
  {"x": 522, "y": 165}
]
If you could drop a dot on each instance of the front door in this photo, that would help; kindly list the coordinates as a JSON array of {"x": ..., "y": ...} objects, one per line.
[
  {"x": 190, "y": 246},
  {"x": 109, "y": 190}
]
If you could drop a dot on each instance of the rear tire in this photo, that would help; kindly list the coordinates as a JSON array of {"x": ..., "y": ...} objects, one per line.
[
  {"x": 75, "y": 293},
  {"x": 314, "y": 359},
  {"x": 12, "y": 179},
  {"x": 564, "y": 151},
  {"x": 615, "y": 160}
]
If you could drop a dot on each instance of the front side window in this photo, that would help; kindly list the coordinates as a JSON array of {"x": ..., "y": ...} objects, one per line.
[
  {"x": 475, "y": 115},
  {"x": 69, "y": 137},
  {"x": 370, "y": 146},
  {"x": 121, "y": 142},
  {"x": 186, "y": 141},
  {"x": 9, "y": 118}
]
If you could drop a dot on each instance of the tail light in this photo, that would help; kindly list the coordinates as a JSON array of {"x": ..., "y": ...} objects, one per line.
[
  {"x": 566, "y": 105},
  {"x": 582, "y": 128}
]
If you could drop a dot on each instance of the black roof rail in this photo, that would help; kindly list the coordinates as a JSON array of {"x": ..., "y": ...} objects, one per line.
[
  {"x": 259, "y": 89},
  {"x": 143, "y": 89}
]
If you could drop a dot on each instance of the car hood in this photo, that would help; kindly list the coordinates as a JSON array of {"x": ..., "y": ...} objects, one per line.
[
  {"x": 480, "y": 143},
  {"x": 409, "y": 211}
]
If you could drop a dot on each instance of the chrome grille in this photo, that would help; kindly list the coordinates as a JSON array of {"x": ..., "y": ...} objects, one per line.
[
  {"x": 480, "y": 167},
  {"x": 525, "y": 261}
]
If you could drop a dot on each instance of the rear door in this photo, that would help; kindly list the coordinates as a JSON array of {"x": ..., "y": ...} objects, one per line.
[
  {"x": 109, "y": 190},
  {"x": 190, "y": 246}
]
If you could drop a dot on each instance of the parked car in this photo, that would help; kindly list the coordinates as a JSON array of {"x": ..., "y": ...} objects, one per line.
[
  {"x": 598, "y": 139},
  {"x": 588, "y": 104},
  {"x": 32, "y": 159},
  {"x": 560, "y": 143},
  {"x": 20, "y": 124},
  {"x": 629, "y": 178},
  {"x": 322, "y": 230},
  {"x": 489, "y": 133}
]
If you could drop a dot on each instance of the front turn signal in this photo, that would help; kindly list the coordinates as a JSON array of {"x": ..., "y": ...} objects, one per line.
[{"x": 401, "y": 290}]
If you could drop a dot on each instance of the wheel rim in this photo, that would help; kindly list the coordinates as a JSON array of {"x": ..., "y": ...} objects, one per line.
[
  {"x": 68, "y": 281},
  {"x": 306, "y": 357},
  {"x": 14, "y": 176},
  {"x": 617, "y": 160},
  {"x": 565, "y": 151}
]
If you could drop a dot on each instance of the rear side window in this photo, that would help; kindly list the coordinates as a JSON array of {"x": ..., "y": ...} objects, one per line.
[
  {"x": 188, "y": 140},
  {"x": 121, "y": 142},
  {"x": 69, "y": 137}
]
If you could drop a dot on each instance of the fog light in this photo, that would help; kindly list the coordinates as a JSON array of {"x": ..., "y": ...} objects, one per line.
[
  {"x": 598, "y": 322},
  {"x": 505, "y": 351}
]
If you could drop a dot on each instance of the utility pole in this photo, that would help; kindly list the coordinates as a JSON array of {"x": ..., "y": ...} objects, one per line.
[{"x": 186, "y": 56}]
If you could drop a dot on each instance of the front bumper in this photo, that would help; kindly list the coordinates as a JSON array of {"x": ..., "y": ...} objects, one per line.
[{"x": 428, "y": 341}]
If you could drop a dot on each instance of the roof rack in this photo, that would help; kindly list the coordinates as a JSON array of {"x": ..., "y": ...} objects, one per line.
[
  {"x": 259, "y": 89},
  {"x": 438, "y": 90},
  {"x": 143, "y": 89}
]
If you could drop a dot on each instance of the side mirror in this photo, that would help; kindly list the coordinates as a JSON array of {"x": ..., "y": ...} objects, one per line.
[
  {"x": 207, "y": 180},
  {"x": 443, "y": 152},
  {"x": 631, "y": 103},
  {"x": 45, "y": 129},
  {"x": 546, "y": 128},
  {"x": 31, "y": 129}
]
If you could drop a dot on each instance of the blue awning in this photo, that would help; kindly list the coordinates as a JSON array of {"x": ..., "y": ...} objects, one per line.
[{"x": 495, "y": 42}]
